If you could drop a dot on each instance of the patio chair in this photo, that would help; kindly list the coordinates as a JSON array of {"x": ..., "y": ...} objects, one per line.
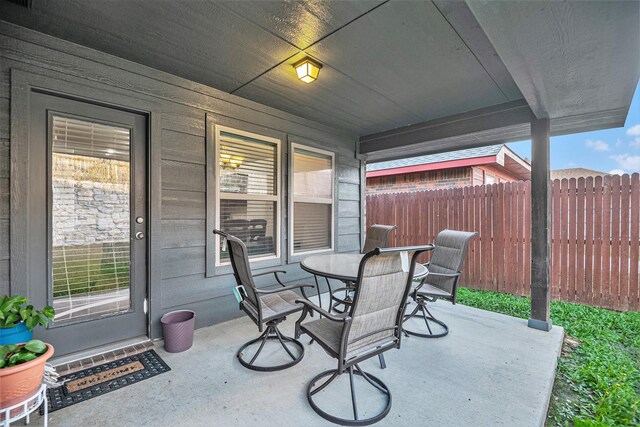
[
  {"x": 442, "y": 280},
  {"x": 371, "y": 326},
  {"x": 377, "y": 237},
  {"x": 263, "y": 307}
]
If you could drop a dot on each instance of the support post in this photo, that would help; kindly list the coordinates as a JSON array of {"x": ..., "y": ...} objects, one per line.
[{"x": 540, "y": 226}]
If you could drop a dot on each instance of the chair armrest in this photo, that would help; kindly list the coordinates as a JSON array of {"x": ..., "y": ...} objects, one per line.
[
  {"x": 268, "y": 272},
  {"x": 445, "y": 274},
  {"x": 451, "y": 275},
  {"x": 275, "y": 273},
  {"x": 286, "y": 288},
  {"x": 311, "y": 306}
]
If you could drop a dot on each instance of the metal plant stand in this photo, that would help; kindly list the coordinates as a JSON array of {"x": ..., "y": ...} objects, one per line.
[{"x": 25, "y": 408}]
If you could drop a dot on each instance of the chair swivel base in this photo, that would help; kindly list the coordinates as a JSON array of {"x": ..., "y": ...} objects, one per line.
[
  {"x": 271, "y": 333},
  {"x": 428, "y": 318},
  {"x": 356, "y": 420}
]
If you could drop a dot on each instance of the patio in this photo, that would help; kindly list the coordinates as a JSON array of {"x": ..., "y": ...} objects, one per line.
[
  {"x": 490, "y": 370},
  {"x": 205, "y": 109}
]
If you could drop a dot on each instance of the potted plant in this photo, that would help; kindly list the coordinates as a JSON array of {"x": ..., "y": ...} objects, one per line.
[
  {"x": 17, "y": 319},
  {"x": 21, "y": 370}
]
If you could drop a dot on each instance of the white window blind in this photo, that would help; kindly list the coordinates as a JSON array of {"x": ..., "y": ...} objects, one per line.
[
  {"x": 248, "y": 204},
  {"x": 83, "y": 138},
  {"x": 312, "y": 199},
  {"x": 90, "y": 230}
]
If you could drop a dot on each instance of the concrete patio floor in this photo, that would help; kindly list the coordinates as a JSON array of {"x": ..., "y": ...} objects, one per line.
[{"x": 491, "y": 370}]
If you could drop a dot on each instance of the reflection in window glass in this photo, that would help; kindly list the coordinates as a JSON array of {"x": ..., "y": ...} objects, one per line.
[
  {"x": 312, "y": 206},
  {"x": 90, "y": 231},
  {"x": 253, "y": 222},
  {"x": 248, "y": 200}
]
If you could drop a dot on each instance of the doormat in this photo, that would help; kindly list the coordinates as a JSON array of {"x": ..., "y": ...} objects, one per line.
[{"x": 98, "y": 380}]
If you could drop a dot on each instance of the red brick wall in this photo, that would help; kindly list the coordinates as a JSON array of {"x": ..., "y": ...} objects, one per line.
[{"x": 458, "y": 177}]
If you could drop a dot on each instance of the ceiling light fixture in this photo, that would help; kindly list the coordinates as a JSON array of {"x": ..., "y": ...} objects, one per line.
[{"x": 307, "y": 69}]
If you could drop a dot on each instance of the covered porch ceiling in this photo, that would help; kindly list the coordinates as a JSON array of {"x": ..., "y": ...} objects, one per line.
[{"x": 406, "y": 77}]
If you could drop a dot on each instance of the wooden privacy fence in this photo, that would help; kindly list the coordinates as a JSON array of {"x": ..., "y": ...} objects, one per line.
[{"x": 595, "y": 235}]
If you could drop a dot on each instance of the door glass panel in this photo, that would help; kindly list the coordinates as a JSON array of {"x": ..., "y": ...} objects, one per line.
[{"x": 90, "y": 219}]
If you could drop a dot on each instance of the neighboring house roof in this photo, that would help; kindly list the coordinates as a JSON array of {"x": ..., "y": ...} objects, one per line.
[
  {"x": 470, "y": 153},
  {"x": 499, "y": 155},
  {"x": 575, "y": 173}
]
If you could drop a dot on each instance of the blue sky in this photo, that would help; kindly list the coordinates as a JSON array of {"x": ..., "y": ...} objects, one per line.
[{"x": 613, "y": 150}]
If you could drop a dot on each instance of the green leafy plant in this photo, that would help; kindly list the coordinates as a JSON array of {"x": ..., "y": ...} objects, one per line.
[
  {"x": 13, "y": 310},
  {"x": 12, "y": 355}
]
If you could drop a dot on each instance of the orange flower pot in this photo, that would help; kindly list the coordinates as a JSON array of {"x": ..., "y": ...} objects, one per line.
[{"x": 20, "y": 381}]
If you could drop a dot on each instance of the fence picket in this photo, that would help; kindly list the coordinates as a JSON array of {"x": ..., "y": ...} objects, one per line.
[
  {"x": 623, "y": 293},
  {"x": 605, "y": 283},
  {"x": 580, "y": 241},
  {"x": 498, "y": 243},
  {"x": 588, "y": 251},
  {"x": 634, "y": 244},
  {"x": 571, "y": 241}
]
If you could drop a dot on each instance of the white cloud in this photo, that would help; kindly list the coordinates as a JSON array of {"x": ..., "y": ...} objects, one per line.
[
  {"x": 627, "y": 162},
  {"x": 597, "y": 145},
  {"x": 634, "y": 130},
  {"x": 616, "y": 172},
  {"x": 635, "y": 143},
  {"x": 618, "y": 142}
]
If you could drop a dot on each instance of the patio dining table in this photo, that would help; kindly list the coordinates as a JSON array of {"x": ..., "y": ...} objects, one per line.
[{"x": 343, "y": 267}]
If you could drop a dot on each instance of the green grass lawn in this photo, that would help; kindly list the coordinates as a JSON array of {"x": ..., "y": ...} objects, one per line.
[{"x": 598, "y": 377}]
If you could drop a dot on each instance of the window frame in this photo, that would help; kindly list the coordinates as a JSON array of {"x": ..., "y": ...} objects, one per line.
[
  {"x": 293, "y": 199},
  {"x": 218, "y": 195}
]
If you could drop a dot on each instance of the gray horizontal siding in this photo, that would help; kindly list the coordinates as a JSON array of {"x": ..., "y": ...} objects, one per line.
[
  {"x": 183, "y": 233},
  {"x": 190, "y": 121},
  {"x": 348, "y": 191},
  {"x": 349, "y": 243},
  {"x": 348, "y": 209},
  {"x": 182, "y": 147},
  {"x": 183, "y": 176},
  {"x": 177, "y": 204},
  {"x": 349, "y": 226},
  {"x": 179, "y": 262},
  {"x": 184, "y": 105},
  {"x": 4, "y": 118}
]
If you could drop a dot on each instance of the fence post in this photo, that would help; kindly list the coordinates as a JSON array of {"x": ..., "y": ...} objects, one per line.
[{"x": 540, "y": 221}]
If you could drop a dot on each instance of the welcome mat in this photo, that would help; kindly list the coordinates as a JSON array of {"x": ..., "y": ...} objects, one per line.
[{"x": 98, "y": 380}]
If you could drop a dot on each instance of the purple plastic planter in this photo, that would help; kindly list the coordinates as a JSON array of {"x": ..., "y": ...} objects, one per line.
[{"x": 177, "y": 330}]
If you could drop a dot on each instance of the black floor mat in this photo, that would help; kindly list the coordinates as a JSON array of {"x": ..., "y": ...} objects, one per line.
[{"x": 98, "y": 380}]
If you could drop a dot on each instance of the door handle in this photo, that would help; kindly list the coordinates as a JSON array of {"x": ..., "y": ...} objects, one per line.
[{"x": 139, "y": 235}]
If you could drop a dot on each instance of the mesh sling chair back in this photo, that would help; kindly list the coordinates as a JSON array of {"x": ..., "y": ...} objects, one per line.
[
  {"x": 377, "y": 237},
  {"x": 263, "y": 307},
  {"x": 371, "y": 326},
  {"x": 441, "y": 282}
]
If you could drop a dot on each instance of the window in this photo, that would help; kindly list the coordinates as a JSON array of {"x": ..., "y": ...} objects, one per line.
[
  {"x": 247, "y": 192},
  {"x": 312, "y": 192}
]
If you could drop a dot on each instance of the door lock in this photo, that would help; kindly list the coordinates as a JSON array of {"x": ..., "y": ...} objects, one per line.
[{"x": 139, "y": 235}]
